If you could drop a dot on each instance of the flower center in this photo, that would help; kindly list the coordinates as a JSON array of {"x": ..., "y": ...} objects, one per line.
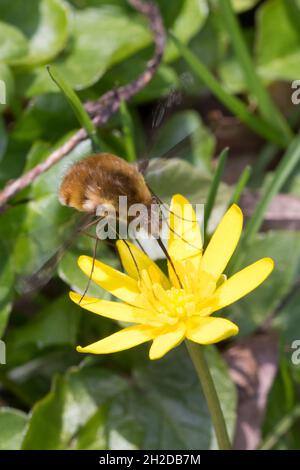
[
  {"x": 180, "y": 304},
  {"x": 171, "y": 305}
]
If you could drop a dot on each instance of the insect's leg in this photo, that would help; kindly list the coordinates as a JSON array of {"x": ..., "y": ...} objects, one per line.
[
  {"x": 94, "y": 237},
  {"x": 90, "y": 224},
  {"x": 175, "y": 215},
  {"x": 92, "y": 271},
  {"x": 94, "y": 255},
  {"x": 129, "y": 249},
  {"x": 163, "y": 248},
  {"x": 140, "y": 245}
]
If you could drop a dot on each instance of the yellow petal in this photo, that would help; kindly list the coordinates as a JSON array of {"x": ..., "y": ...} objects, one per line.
[
  {"x": 205, "y": 286},
  {"x": 209, "y": 330},
  {"x": 135, "y": 260},
  {"x": 124, "y": 339},
  {"x": 223, "y": 242},
  {"x": 115, "y": 282},
  {"x": 243, "y": 282},
  {"x": 185, "y": 241},
  {"x": 114, "y": 310},
  {"x": 166, "y": 341}
]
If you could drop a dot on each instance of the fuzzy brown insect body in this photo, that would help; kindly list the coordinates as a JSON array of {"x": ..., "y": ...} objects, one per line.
[{"x": 99, "y": 180}]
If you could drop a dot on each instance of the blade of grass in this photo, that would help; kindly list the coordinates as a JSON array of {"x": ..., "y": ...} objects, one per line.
[
  {"x": 289, "y": 394},
  {"x": 235, "y": 105},
  {"x": 286, "y": 166},
  {"x": 293, "y": 12},
  {"x": 128, "y": 132},
  {"x": 240, "y": 186},
  {"x": 269, "y": 153},
  {"x": 75, "y": 103},
  {"x": 281, "y": 428},
  {"x": 266, "y": 156},
  {"x": 214, "y": 189},
  {"x": 283, "y": 171},
  {"x": 266, "y": 106}
]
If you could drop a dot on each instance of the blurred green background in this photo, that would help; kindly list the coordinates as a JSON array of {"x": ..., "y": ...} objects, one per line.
[{"x": 226, "y": 83}]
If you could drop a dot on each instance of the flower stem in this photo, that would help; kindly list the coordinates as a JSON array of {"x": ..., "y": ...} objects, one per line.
[{"x": 197, "y": 355}]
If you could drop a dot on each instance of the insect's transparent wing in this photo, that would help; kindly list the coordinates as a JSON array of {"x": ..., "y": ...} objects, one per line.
[
  {"x": 183, "y": 135},
  {"x": 43, "y": 249},
  {"x": 31, "y": 282}
]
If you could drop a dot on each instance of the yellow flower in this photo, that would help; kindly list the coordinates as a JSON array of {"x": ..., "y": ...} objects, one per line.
[{"x": 165, "y": 309}]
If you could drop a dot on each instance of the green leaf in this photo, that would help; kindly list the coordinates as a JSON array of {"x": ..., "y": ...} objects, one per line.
[
  {"x": 162, "y": 83},
  {"x": 9, "y": 228},
  {"x": 6, "y": 291},
  {"x": 44, "y": 227},
  {"x": 277, "y": 48},
  {"x": 75, "y": 103},
  {"x": 104, "y": 36},
  {"x": 8, "y": 89},
  {"x": 92, "y": 436},
  {"x": 13, "y": 43},
  {"x": 70, "y": 273},
  {"x": 5, "y": 311},
  {"x": 29, "y": 381},
  {"x": 3, "y": 138},
  {"x": 73, "y": 396},
  {"x": 13, "y": 160},
  {"x": 43, "y": 22},
  {"x": 128, "y": 132},
  {"x": 47, "y": 118},
  {"x": 100, "y": 37},
  {"x": 12, "y": 428},
  {"x": 243, "y": 5},
  {"x": 56, "y": 325},
  {"x": 284, "y": 248},
  {"x": 160, "y": 407},
  {"x": 164, "y": 80},
  {"x": 172, "y": 392},
  {"x": 214, "y": 48},
  {"x": 184, "y": 127},
  {"x": 231, "y": 74},
  {"x": 168, "y": 177}
]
